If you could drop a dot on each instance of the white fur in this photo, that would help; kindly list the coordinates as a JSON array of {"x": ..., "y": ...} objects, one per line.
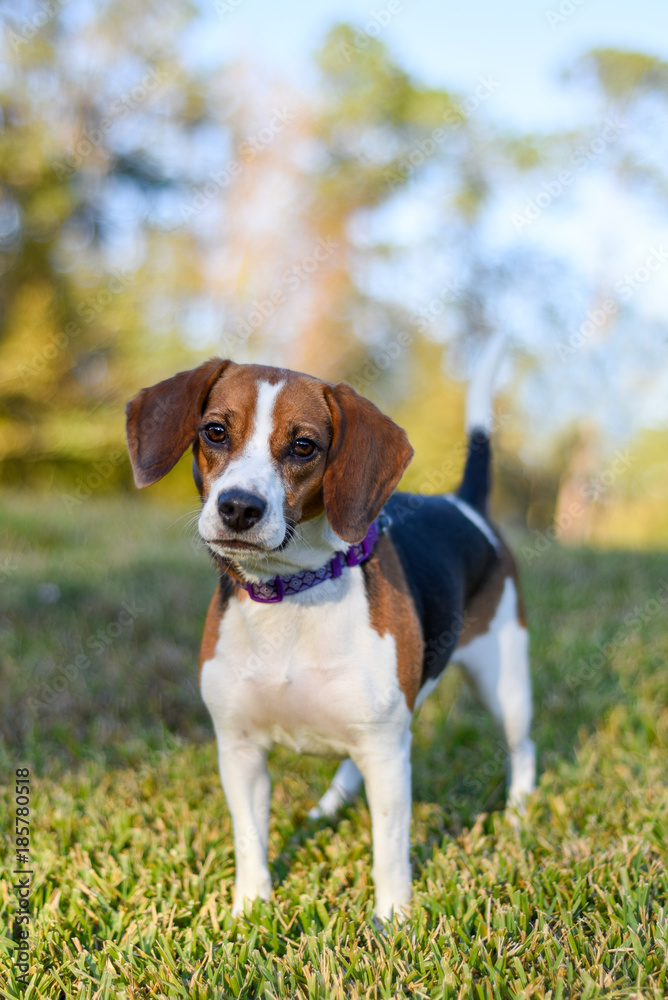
[
  {"x": 345, "y": 785},
  {"x": 479, "y": 396},
  {"x": 254, "y": 471},
  {"x": 313, "y": 675},
  {"x": 496, "y": 665},
  {"x": 427, "y": 688}
]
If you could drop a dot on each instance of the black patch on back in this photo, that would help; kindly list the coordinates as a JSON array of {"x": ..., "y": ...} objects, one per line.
[{"x": 445, "y": 558}]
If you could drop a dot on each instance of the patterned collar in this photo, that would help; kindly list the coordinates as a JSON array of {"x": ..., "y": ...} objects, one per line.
[{"x": 274, "y": 590}]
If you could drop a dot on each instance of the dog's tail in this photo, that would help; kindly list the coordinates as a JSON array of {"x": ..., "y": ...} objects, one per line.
[{"x": 475, "y": 484}]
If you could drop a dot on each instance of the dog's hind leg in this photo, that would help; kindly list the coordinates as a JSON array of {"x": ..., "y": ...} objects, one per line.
[
  {"x": 496, "y": 665},
  {"x": 344, "y": 787}
]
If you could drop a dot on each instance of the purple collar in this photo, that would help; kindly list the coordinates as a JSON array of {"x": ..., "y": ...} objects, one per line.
[{"x": 274, "y": 590}]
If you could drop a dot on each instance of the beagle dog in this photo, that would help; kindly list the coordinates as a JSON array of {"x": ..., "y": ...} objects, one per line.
[{"x": 339, "y": 601}]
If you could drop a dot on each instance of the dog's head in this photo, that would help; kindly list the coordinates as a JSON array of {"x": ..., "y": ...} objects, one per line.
[{"x": 271, "y": 449}]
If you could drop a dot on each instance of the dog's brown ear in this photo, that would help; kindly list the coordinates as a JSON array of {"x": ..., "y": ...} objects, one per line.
[
  {"x": 162, "y": 421},
  {"x": 366, "y": 460}
]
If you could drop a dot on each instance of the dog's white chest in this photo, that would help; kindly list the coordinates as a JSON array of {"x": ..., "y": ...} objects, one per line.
[{"x": 309, "y": 673}]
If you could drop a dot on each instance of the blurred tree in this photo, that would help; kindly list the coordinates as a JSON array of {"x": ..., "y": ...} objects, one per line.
[
  {"x": 153, "y": 211},
  {"x": 626, "y": 75},
  {"x": 371, "y": 119},
  {"x": 303, "y": 278},
  {"x": 635, "y": 500},
  {"x": 389, "y": 148},
  {"x": 85, "y": 101},
  {"x": 634, "y": 89}
]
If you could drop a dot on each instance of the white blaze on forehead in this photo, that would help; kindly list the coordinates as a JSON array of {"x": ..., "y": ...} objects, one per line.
[
  {"x": 267, "y": 394},
  {"x": 254, "y": 468},
  {"x": 255, "y": 458},
  {"x": 253, "y": 471}
]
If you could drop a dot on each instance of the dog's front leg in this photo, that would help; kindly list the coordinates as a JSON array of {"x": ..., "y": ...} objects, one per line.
[
  {"x": 387, "y": 778},
  {"x": 247, "y": 787}
]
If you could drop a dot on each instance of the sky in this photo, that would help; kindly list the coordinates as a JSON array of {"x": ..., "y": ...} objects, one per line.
[
  {"x": 524, "y": 49},
  {"x": 521, "y": 50},
  {"x": 523, "y": 45}
]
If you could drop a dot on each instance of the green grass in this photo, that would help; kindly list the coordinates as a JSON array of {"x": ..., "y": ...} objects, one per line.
[{"x": 132, "y": 846}]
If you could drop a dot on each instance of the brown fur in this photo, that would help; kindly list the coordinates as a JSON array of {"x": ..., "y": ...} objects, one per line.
[
  {"x": 221, "y": 596},
  {"x": 301, "y": 411},
  {"x": 232, "y": 402},
  {"x": 367, "y": 457},
  {"x": 482, "y": 607},
  {"x": 392, "y": 610},
  {"x": 163, "y": 420}
]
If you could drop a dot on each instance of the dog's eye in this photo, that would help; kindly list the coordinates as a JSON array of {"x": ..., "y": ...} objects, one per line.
[
  {"x": 303, "y": 448},
  {"x": 215, "y": 433}
]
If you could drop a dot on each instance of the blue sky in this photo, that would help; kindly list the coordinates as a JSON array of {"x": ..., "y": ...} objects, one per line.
[
  {"x": 449, "y": 44},
  {"x": 599, "y": 229}
]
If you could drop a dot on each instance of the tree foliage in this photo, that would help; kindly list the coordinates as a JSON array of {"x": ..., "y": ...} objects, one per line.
[{"x": 154, "y": 211}]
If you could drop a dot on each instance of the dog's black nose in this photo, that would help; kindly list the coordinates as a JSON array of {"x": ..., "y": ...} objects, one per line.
[{"x": 240, "y": 510}]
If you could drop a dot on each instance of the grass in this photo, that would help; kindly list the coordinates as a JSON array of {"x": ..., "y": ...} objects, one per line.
[{"x": 131, "y": 839}]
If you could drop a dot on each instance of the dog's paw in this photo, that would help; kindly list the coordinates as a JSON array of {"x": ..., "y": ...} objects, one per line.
[{"x": 516, "y": 809}]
